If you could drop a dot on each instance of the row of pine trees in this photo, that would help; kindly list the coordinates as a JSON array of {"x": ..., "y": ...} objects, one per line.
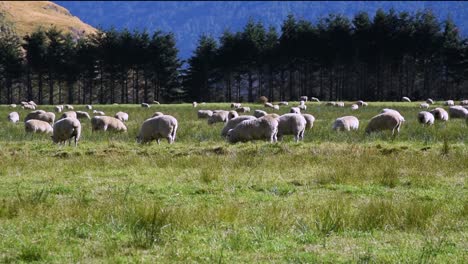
[{"x": 337, "y": 58}]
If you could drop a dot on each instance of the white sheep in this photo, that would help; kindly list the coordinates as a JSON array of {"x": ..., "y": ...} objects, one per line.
[
  {"x": 291, "y": 124},
  {"x": 244, "y": 109},
  {"x": 265, "y": 127},
  {"x": 194, "y": 104},
  {"x": 158, "y": 127},
  {"x": 69, "y": 107},
  {"x": 219, "y": 116},
  {"x": 406, "y": 99},
  {"x": 295, "y": 110},
  {"x": 89, "y": 107},
  {"x": 107, "y": 123},
  {"x": 48, "y": 117},
  {"x": 145, "y": 105},
  {"x": 13, "y": 105},
  {"x": 388, "y": 110},
  {"x": 302, "y": 107},
  {"x": 232, "y": 114},
  {"x": 235, "y": 105},
  {"x": 425, "y": 118},
  {"x": 122, "y": 116},
  {"x": 32, "y": 103},
  {"x": 390, "y": 120},
  {"x": 315, "y": 99},
  {"x": 276, "y": 107},
  {"x": 339, "y": 104},
  {"x": 71, "y": 114},
  {"x": 449, "y": 103},
  {"x": 204, "y": 113},
  {"x": 346, "y": 123},
  {"x": 430, "y": 101},
  {"x": 457, "y": 112},
  {"x": 98, "y": 113},
  {"x": 310, "y": 119},
  {"x": 354, "y": 107},
  {"x": 58, "y": 108},
  {"x": 13, "y": 117},
  {"x": 283, "y": 103},
  {"x": 28, "y": 106},
  {"x": 234, "y": 122},
  {"x": 82, "y": 114},
  {"x": 303, "y": 98},
  {"x": 440, "y": 113},
  {"x": 424, "y": 105},
  {"x": 259, "y": 113},
  {"x": 269, "y": 105},
  {"x": 37, "y": 126},
  {"x": 361, "y": 103},
  {"x": 156, "y": 102},
  {"x": 302, "y": 102},
  {"x": 66, "y": 129},
  {"x": 464, "y": 102}
]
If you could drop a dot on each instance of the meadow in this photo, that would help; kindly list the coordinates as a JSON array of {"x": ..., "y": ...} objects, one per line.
[{"x": 334, "y": 198}]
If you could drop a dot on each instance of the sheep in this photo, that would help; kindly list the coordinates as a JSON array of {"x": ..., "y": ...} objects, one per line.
[
  {"x": 156, "y": 102},
  {"x": 315, "y": 99},
  {"x": 361, "y": 103},
  {"x": 464, "y": 102},
  {"x": 89, "y": 107},
  {"x": 291, "y": 124},
  {"x": 235, "y": 105},
  {"x": 204, "y": 113},
  {"x": 234, "y": 122},
  {"x": 232, "y": 114},
  {"x": 265, "y": 127},
  {"x": 430, "y": 101},
  {"x": 339, "y": 104},
  {"x": 82, "y": 114},
  {"x": 243, "y": 109},
  {"x": 295, "y": 110},
  {"x": 48, "y": 117},
  {"x": 13, "y": 117},
  {"x": 449, "y": 103},
  {"x": 37, "y": 126},
  {"x": 385, "y": 121},
  {"x": 269, "y": 105},
  {"x": 354, "y": 107},
  {"x": 66, "y": 129},
  {"x": 194, "y": 104},
  {"x": 218, "y": 117},
  {"x": 32, "y": 103},
  {"x": 310, "y": 119},
  {"x": 23, "y": 103},
  {"x": 98, "y": 113},
  {"x": 58, "y": 108},
  {"x": 283, "y": 103},
  {"x": 276, "y": 107},
  {"x": 346, "y": 123},
  {"x": 440, "y": 113},
  {"x": 406, "y": 99},
  {"x": 69, "y": 107},
  {"x": 145, "y": 105},
  {"x": 202, "y": 103},
  {"x": 107, "y": 123},
  {"x": 424, "y": 105},
  {"x": 302, "y": 102},
  {"x": 457, "y": 112},
  {"x": 122, "y": 116},
  {"x": 71, "y": 114},
  {"x": 158, "y": 127},
  {"x": 161, "y": 114},
  {"x": 302, "y": 107},
  {"x": 388, "y": 110},
  {"x": 426, "y": 118},
  {"x": 28, "y": 106},
  {"x": 259, "y": 113},
  {"x": 13, "y": 105},
  {"x": 330, "y": 103},
  {"x": 303, "y": 98}
]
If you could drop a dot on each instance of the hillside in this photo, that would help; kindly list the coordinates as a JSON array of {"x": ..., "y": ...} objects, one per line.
[{"x": 27, "y": 16}]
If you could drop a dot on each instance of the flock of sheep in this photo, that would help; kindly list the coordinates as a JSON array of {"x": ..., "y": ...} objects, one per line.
[{"x": 259, "y": 126}]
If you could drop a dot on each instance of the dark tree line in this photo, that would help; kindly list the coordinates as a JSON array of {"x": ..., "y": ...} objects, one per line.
[{"x": 383, "y": 58}]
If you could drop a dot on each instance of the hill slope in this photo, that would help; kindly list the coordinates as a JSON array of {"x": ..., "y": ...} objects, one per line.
[{"x": 27, "y": 16}]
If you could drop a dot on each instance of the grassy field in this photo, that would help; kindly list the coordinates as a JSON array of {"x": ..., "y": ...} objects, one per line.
[{"x": 334, "y": 198}]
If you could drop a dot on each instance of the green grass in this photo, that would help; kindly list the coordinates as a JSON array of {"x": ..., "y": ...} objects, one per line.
[{"x": 334, "y": 198}]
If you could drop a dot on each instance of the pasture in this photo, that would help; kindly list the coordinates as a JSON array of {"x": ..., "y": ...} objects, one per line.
[{"x": 335, "y": 197}]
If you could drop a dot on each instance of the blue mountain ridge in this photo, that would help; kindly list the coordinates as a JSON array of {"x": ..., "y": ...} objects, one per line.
[{"x": 188, "y": 20}]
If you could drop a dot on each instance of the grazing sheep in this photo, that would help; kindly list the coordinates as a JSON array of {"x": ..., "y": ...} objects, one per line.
[
  {"x": 330, "y": 103},
  {"x": 291, "y": 124},
  {"x": 361, "y": 103},
  {"x": 204, "y": 113},
  {"x": 234, "y": 122},
  {"x": 346, "y": 123},
  {"x": 232, "y": 114},
  {"x": 89, "y": 107},
  {"x": 235, "y": 105},
  {"x": 156, "y": 102},
  {"x": 457, "y": 112},
  {"x": 13, "y": 105},
  {"x": 218, "y": 117},
  {"x": 354, "y": 107},
  {"x": 464, "y": 102},
  {"x": 426, "y": 118},
  {"x": 145, "y": 105},
  {"x": 295, "y": 110},
  {"x": 71, "y": 114},
  {"x": 449, "y": 103},
  {"x": 98, "y": 113},
  {"x": 158, "y": 127},
  {"x": 28, "y": 106},
  {"x": 385, "y": 121},
  {"x": 315, "y": 99},
  {"x": 302, "y": 107},
  {"x": 303, "y": 98},
  {"x": 430, "y": 101},
  {"x": 339, "y": 104},
  {"x": 310, "y": 119},
  {"x": 23, "y": 103},
  {"x": 301, "y": 102},
  {"x": 58, "y": 108},
  {"x": 265, "y": 127},
  {"x": 37, "y": 126},
  {"x": 440, "y": 113},
  {"x": 122, "y": 116},
  {"x": 388, "y": 110},
  {"x": 82, "y": 114},
  {"x": 276, "y": 107},
  {"x": 66, "y": 129},
  {"x": 269, "y": 105},
  {"x": 259, "y": 113},
  {"x": 48, "y": 117},
  {"x": 244, "y": 109},
  {"x": 406, "y": 99},
  {"x": 283, "y": 103},
  {"x": 424, "y": 105},
  {"x": 107, "y": 123},
  {"x": 194, "y": 104},
  {"x": 32, "y": 103},
  {"x": 69, "y": 107},
  {"x": 161, "y": 114},
  {"x": 13, "y": 117}
]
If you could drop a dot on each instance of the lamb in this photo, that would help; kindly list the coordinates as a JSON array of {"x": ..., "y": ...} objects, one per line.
[
  {"x": 283, "y": 103},
  {"x": 256, "y": 129},
  {"x": 82, "y": 114},
  {"x": 385, "y": 121},
  {"x": 260, "y": 113},
  {"x": 303, "y": 98},
  {"x": 204, "y": 113},
  {"x": 69, "y": 107},
  {"x": 295, "y": 110},
  {"x": 232, "y": 114},
  {"x": 346, "y": 123},
  {"x": 354, "y": 107},
  {"x": 310, "y": 119},
  {"x": 71, "y": 114},
  {"x": 158, "y": 127},
  {"x": 218, "y": 117},
  {"x": 194, "y": 104},
  {"x": 235, "y": 105},
  {"x": 122, "y": 116},
  {"x": 406, "y": 99},
  {"x": 426, "y": 118},
  {"x": 13, "y": 105},
  {"x": 66, "y": 129},
  {"x": 430, "y": 101},
  {"x": 361, "y": 103},
  {"x": 161, "y": 114},
  {"x": 315, "y": 99},
  {"x": 98, "y": 113},
  {"x": 234, "y": 122},
  {"x": 449, "y": 103},
  {"x": 440, "y": 113},
  {"x": 106, "y": 123},
  {"x": 58, "y": 108},
  {"x": 243, "y": 109},
  {"x": 291, "y": 124},
  {"x": 48, "y": 117},
  {"x": 145, "y": 105},
  {"x": 457, "y": 112},
  {"x": 13, "y": 117},
  {"x": 424, "y": 105},
  {"x": 89, "y": 107},
  {"x": 37, "y": 126},
  {"x": 339, "y": 104}
]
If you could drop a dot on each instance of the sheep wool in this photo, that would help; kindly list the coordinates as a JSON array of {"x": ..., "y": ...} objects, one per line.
[
  {"x": 158, "y": 127},
  {"x": 37, "y": 126},
  {"x": 66, "y": 129},
  {"x": 291, "y": 124},
  {"x": 265, "y": 128},
  {"x": 107, "y": 123},
  {"x": 346, "y": 123},
  {"x": 425, "y": 118}
]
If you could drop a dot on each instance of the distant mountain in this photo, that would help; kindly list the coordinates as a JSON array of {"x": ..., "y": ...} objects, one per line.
[{"x": 190, "y": 19}]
